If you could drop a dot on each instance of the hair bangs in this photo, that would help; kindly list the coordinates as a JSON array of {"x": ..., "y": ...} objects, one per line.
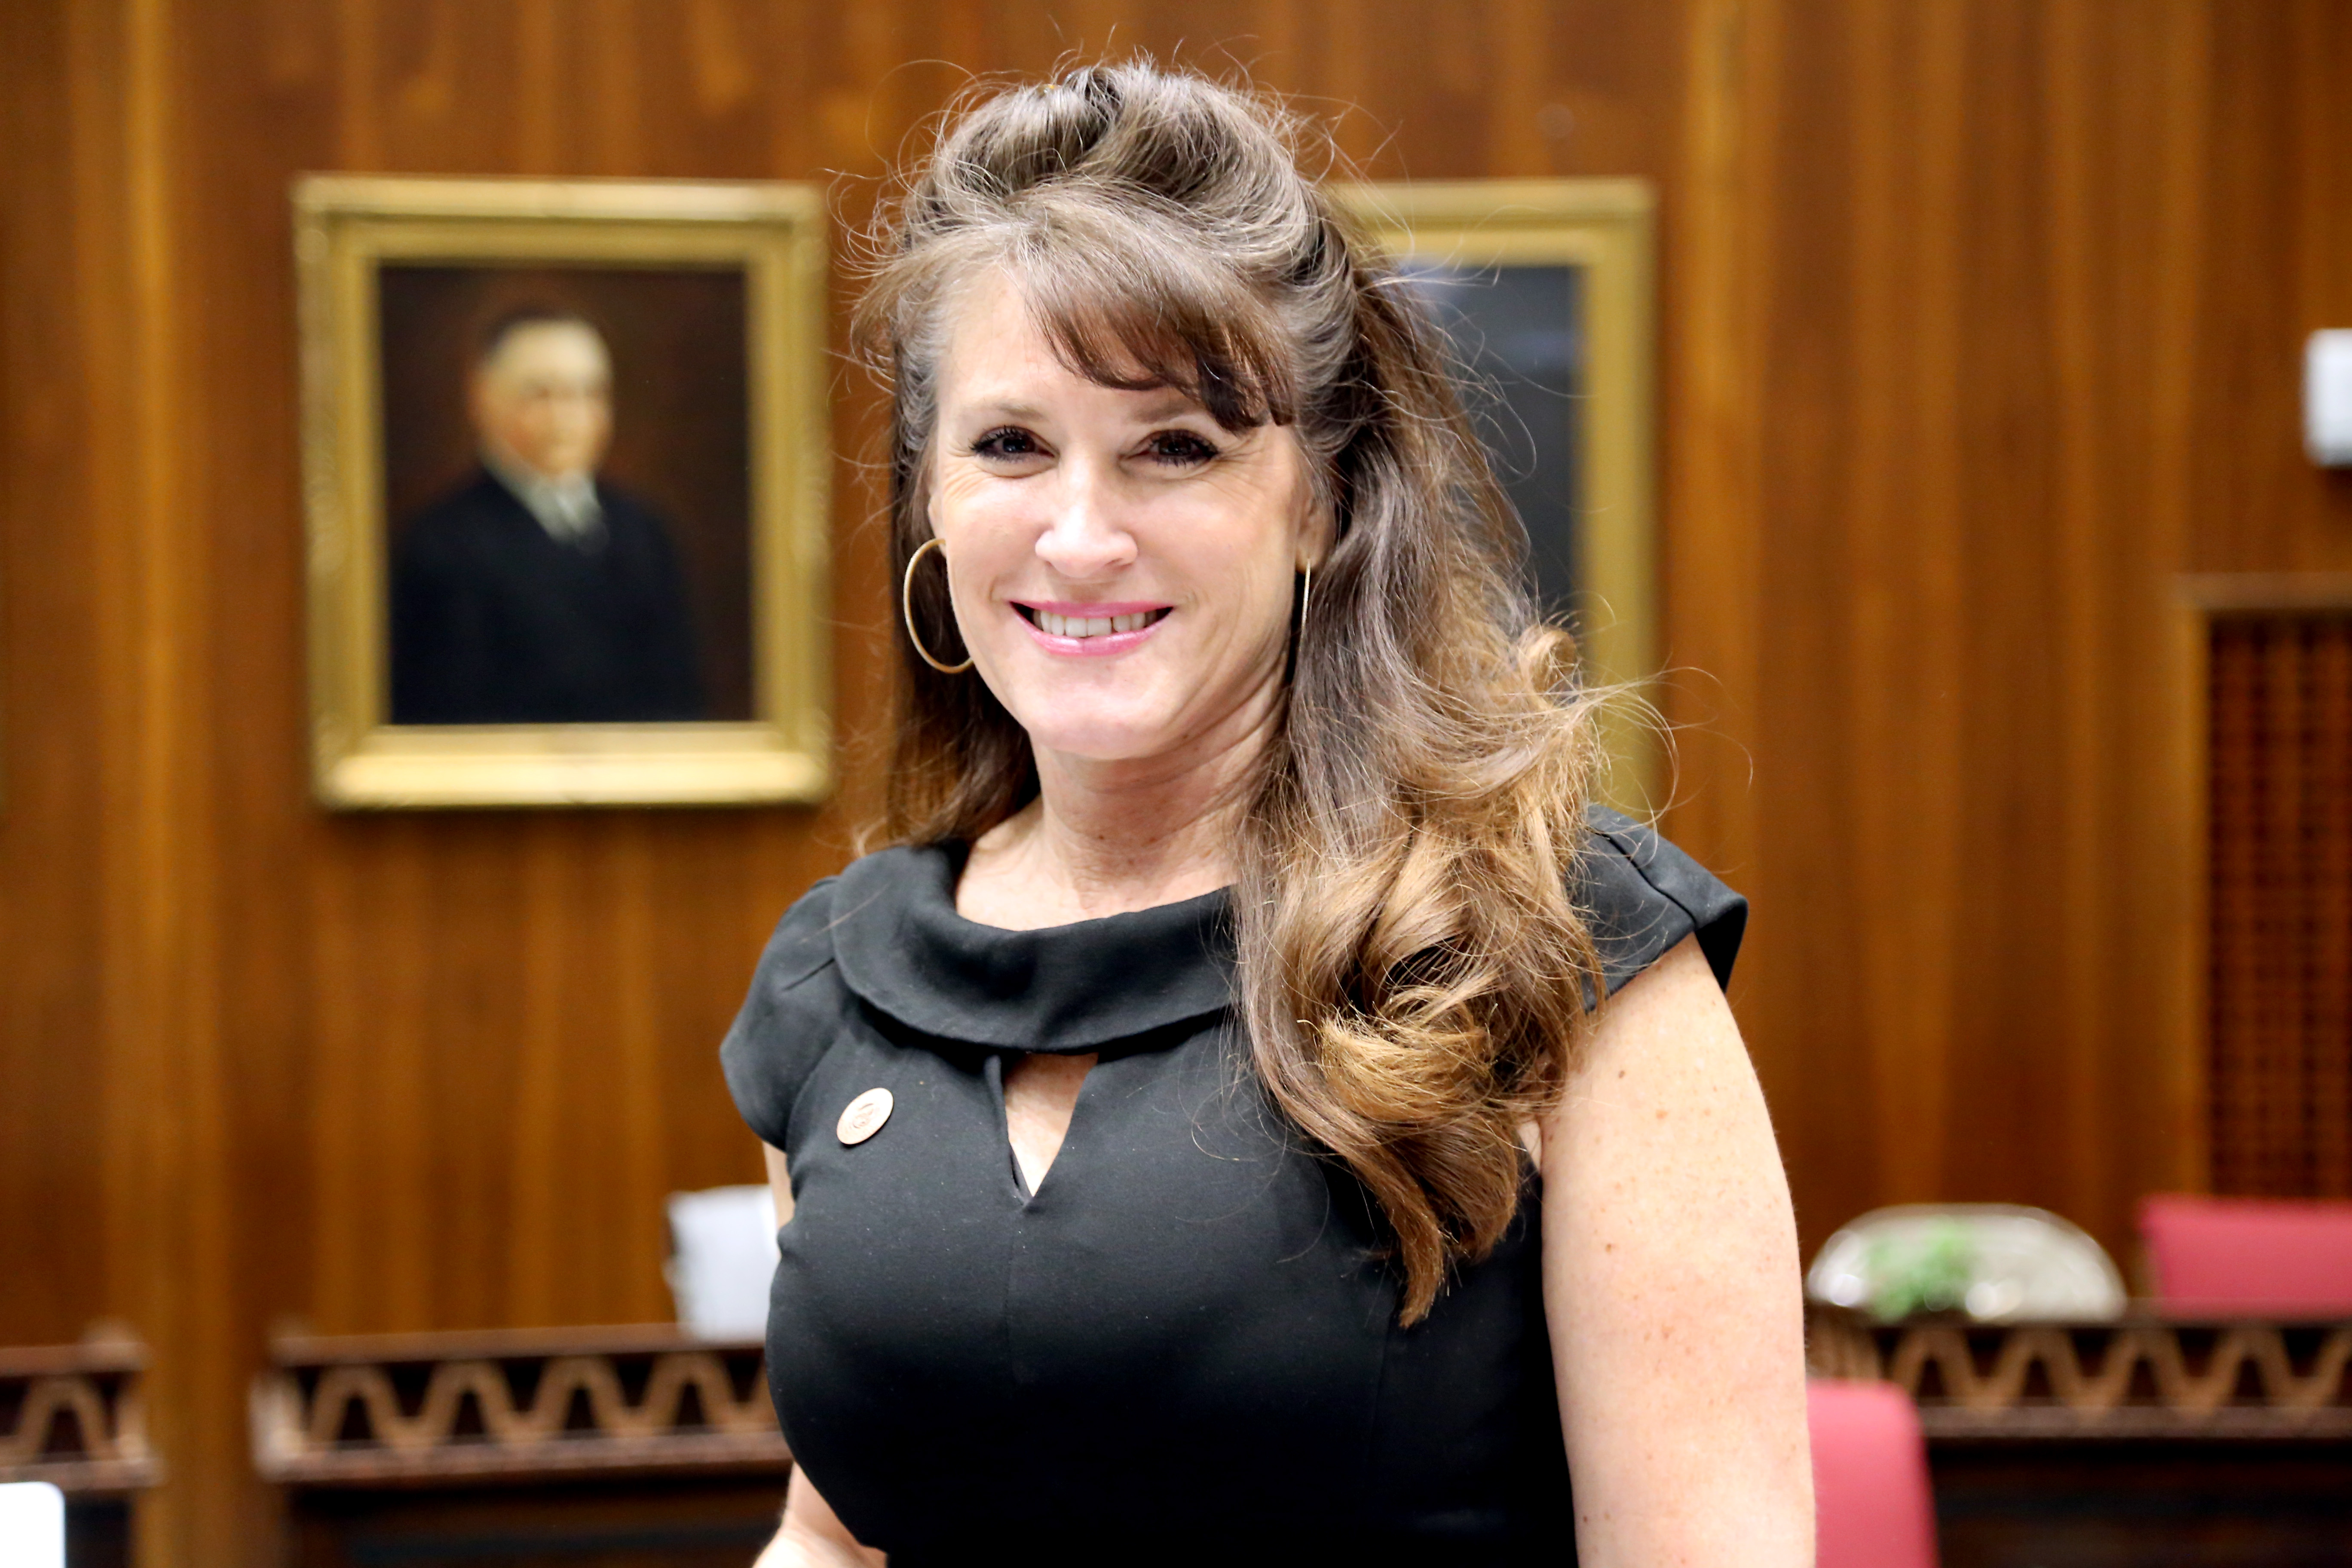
[{"x": 1129, "y": 308}]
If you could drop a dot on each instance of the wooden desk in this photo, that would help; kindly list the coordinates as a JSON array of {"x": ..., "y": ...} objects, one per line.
[
  {"x": 2052, "y": 1446},
  {"x": 622, "y": 1447},
  {"x": 72, "y": 1415},
  {"x": 2144, "y": 1442}
]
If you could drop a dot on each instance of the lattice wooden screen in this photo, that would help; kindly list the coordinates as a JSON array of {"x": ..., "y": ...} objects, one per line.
[{"x": 2280, "y": 770}]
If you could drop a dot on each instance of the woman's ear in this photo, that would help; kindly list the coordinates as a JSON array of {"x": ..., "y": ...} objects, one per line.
[
  {"x": 1315, "y": 532},
  {"x": 1317, "y": 529}
]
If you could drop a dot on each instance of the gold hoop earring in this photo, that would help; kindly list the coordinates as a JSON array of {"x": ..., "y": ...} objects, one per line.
[{"x": 906, "y": 610}]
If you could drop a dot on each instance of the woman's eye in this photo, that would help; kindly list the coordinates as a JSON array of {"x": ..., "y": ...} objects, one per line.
[
  {"x": 1009, "y": 442},
  {"x": 1179, "y": 448}
]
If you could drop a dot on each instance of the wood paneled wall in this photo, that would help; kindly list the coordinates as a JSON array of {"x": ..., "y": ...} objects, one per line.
[
  {"x": 1989, "y": 322},
  {"x": 1982, "y": 320}
]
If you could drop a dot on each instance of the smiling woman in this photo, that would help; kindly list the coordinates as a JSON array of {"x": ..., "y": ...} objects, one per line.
[
  {"x": 1120, "y": 565},
  {"x": 1272, "y": 1028}
]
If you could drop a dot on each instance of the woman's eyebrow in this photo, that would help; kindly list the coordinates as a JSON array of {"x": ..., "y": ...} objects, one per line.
[
  {"x": 1171, "y": 403},
  {"x": 1006, "y": 408}
]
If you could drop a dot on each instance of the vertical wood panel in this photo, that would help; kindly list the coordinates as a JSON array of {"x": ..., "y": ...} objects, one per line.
[
  {"x": 52, "y": 1092},
  {"x": 1715, "y": 273},
  {"x": 2075, "y": 119},
  {"x": 2159, "y": 822}
]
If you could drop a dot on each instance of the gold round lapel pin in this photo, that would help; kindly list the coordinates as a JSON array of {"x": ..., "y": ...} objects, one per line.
[{"x": 862, "y": 1116}]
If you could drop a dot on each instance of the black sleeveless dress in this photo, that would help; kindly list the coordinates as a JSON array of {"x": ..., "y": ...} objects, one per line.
[{"x": 1183, "y": 1345}]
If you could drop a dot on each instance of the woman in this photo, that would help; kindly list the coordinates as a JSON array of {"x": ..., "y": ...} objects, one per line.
[{"x": 1200, "y": 1138}]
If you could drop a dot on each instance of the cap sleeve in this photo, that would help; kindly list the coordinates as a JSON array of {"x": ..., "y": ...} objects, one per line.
[
  {"x": 791, "y": 1017},
  {"x": 1641, "y": 896}
]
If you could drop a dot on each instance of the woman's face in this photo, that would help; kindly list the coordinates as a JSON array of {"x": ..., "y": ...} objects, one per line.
[{"x": 1121, "y": 564}]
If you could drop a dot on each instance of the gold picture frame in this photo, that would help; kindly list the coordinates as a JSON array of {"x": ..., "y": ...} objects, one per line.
[
  {"x": 759, "y": 250},
  {"x": 1605, "y": 230}
]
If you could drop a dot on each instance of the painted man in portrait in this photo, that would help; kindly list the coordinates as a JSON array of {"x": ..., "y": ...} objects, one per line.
[{"x": 537, "y": 592}]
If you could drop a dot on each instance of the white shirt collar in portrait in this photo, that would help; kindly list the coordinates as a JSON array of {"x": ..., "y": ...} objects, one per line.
[{"x": 567, "y": 507}]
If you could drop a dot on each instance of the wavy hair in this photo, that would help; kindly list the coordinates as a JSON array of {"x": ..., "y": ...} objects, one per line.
[{"x": 1412, "y": 971}]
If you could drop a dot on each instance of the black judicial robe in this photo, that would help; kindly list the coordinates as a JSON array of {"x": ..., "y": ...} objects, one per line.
[
  {"x": 1182, "y": 1346},
  {"x": 496, "y": 622}
]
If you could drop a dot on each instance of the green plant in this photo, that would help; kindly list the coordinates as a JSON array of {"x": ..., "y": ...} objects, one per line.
[{"x": 1929, "y": 1272}]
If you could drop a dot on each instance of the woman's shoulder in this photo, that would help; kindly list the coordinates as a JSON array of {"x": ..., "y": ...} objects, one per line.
[
  {"x": 1640, "y": 895},
  {"x": 802, "y": 943},
  {"x": 801, "y": 1000},
  {"x": 789, "y": 1019},
  {"x": 801, "y": 950}
]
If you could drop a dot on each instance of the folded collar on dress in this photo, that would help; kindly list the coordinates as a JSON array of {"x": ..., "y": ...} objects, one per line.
[{"x": 902, "y": 947}]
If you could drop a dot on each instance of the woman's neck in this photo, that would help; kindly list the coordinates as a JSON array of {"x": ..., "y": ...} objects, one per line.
[{"x": 1107, "y": 837}]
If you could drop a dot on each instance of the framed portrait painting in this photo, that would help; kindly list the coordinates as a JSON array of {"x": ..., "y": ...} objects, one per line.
[
  {"x": 1545, "y": 289},
  {"x": 565, "y": 454}
]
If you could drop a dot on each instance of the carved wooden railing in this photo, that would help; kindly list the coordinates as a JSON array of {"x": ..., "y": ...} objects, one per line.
[
  {"x": 2140, "y": 1377},
  {"x": 71, "y": 1415},
  {"x": 416, "y": 1406}
]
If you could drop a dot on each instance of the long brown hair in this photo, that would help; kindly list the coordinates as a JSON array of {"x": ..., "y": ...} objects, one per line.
[{"x": 1412, "y": 968}]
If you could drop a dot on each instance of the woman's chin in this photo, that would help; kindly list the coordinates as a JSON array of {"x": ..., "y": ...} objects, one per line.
[
  {"x": 1155, "y": 717},
  {"x": 1101, "y": 746},
  {"x": 1099, "y": 736}
]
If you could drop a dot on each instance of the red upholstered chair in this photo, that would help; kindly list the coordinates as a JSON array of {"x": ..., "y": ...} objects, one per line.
[
  {"x": 1871, "y": 1503},
  {"x": 2269, "y": 1257}
]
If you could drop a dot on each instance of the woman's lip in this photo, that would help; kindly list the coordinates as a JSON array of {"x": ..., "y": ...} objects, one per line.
[
  {"x": 1100, "y": 646},
  {"x": 1093, "y": 612}
]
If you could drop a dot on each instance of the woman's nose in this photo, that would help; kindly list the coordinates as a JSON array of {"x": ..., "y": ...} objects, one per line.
[{"x": 1087, "y": 538}]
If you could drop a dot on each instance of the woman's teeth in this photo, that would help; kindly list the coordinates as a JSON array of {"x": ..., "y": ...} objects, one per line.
[{"x": 1055, "y": 625}]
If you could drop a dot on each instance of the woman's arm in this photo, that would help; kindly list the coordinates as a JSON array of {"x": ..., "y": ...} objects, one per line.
[
  {"x": 1671, "y": 1289},
  {"x": 812, "y": 1535}
]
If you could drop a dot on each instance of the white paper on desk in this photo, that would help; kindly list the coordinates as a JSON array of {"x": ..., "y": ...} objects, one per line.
[
  {"x": 723, "y": 1256},
  {"x": 32, "y": 1525}
]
